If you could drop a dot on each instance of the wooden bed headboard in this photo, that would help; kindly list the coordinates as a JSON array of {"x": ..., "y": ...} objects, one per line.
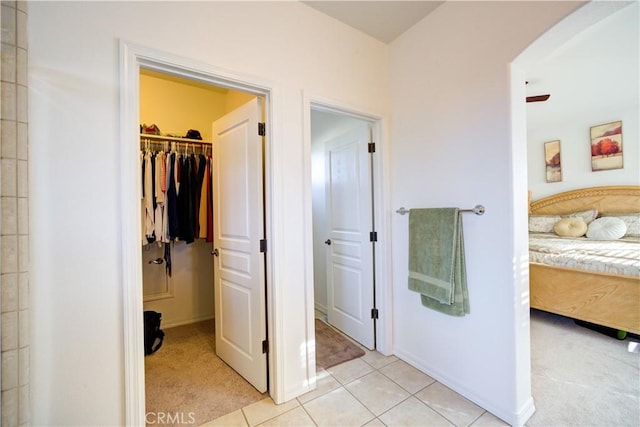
[{"x": 609, "y": 199}]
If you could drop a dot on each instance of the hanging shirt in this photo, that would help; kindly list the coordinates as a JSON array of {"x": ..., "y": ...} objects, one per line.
[
  {"x": 159, "y": 197},
  {"x": 163, "y": 183},
  {"x": 201, "y": 169},
  {"x": 186, "y": 199},
  {"x": 165, "y": 213},
  {"x": 176, "y": 171},
  {"x": 160, "y": 176},
  {"x": 148, "y": 196},
  {"x": 143, "y": 212},
  {"x": 210, "y": 203},
  {"x": 172, "y": 200},
  {"x": 202, "y": 214}
]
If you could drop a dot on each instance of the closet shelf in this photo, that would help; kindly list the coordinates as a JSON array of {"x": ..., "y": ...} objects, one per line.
[{"x": 173, "y": 139}]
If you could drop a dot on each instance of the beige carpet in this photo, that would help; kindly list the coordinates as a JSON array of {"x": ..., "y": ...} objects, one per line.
[
  {"x": 332, "y": 348},
  {"x": 188, "y": 384},
  {"x": 581, "y": 377},
  {"x": 185, "y": 377}
]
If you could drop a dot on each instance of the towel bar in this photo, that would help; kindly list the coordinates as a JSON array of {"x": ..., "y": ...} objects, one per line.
[{"x": 478, "y": 210}]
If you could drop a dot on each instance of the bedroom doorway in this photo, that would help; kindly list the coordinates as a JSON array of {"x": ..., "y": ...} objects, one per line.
[{"x": 552, "y": 44}]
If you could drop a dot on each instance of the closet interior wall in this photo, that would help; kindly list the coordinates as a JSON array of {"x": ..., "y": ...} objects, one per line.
[{"x": 176, "y": 105}]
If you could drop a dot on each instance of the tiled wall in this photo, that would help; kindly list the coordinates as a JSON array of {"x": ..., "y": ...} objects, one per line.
[{"x": 14, "y": 227}]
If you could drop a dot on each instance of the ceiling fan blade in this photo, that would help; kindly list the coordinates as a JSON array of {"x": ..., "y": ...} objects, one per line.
[{"x": 538, "y": 98}]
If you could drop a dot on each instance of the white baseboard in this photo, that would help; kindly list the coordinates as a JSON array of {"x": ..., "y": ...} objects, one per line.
[
  {"x": 321, "y": 308},
  {"x": 173, "y": 324},
  {"x": 518, "y": 418}
]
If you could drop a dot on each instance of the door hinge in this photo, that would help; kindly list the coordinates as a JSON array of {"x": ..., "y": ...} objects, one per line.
[
  {"x": 373, "y": 236},
  {"x": 374, "y": 313},
  {"x": 265, "y": 346},
  {"x": 262, "y": 129},
  {"x": 263, "y": 245},
  {"x": 372, "y": 147}
]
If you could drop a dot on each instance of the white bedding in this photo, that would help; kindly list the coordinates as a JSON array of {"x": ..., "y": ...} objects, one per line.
[{"x": 608, "y": 256}]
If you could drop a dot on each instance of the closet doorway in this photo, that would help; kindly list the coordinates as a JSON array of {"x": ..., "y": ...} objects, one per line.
[
  {"x": 211, "y": 288},
  {"x": 344, "y": 233}
]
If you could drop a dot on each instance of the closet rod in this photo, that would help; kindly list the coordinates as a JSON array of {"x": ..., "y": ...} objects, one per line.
[{"x": 160, "y": 138}]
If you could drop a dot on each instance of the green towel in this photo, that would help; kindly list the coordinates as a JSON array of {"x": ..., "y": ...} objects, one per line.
[{"x": 436, "y": 260}]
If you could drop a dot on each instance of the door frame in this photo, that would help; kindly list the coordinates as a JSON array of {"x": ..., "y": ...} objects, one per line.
[
  {"x": 132, "y": 58},
  {"x": 546, "y": 44},
  {"x": 380, "y": 176},
  {"x": 358, "y": 324}
]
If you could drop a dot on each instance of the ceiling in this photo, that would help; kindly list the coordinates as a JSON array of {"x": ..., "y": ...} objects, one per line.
[
  {"x": 383, "y": 20},
  {"x": 593, "y": 73},
  {"x": 573, "y": 75}
]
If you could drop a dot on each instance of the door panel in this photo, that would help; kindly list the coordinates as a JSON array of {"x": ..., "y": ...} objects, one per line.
[
  {"x": 350, "y": 258},
  {"x": 238, "y": 228}
]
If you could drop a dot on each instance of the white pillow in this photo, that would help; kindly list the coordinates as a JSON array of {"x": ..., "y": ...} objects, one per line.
[
  {"x": 631, "y": 220},
  {"x": 570, "y": 227},
  {"x": 606, "y": 228}
]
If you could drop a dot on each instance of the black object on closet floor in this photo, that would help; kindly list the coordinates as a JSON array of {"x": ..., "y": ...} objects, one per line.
[{"x": 153, "y": 335}]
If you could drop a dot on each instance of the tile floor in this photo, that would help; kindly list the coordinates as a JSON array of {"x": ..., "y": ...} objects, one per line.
[{"x": 373, "y": 390}]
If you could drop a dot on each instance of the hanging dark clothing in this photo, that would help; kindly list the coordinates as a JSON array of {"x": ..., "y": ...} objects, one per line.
[
  {"x": 177, "y": 193},
  {"x": 201, "y": 169},
  {"x": 142, "y": 166},
  {"x": 153, "y": 181},
  {"x": 180, "y": 182},
  {"x": 186, "y": 200},
  {"x": 209, "y": 238},
  {"x": 172, "y": 200},
  {"x": 167, "y": 258}
]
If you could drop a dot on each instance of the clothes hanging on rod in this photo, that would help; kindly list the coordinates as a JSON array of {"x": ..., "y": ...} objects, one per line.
[
  {"x": 176, "y": 198},
  {"x": 205, "y": 213},
  {"x": 164, "y": 142}
]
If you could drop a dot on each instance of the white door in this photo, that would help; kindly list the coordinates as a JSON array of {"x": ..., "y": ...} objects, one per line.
[
  {"x": 349, "y": 215},
  {"x": 239, "y": 272}
]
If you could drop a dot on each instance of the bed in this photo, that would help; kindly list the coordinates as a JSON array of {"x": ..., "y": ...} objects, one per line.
[{"x": 610, "y": 299}]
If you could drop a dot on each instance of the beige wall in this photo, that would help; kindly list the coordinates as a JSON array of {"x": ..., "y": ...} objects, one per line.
[
  {"x": 75, "y": 91},
  {"x": 176, "y": 105},
  {"x": 454, "y": 145},
  {"x": 235, "y": 99},
  {"x": 572, "y": 110}
]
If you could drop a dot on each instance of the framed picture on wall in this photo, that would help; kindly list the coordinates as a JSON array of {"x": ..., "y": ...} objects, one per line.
[
  {"x": 552, "y": 161},
  {"x": 606, "y": 146}
]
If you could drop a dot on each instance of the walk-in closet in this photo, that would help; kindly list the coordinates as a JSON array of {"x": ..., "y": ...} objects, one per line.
[{"x": 185, "y": 381}]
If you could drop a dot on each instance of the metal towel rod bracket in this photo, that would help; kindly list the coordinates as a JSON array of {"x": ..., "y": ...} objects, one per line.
[{"x": 478, "y": 210}]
